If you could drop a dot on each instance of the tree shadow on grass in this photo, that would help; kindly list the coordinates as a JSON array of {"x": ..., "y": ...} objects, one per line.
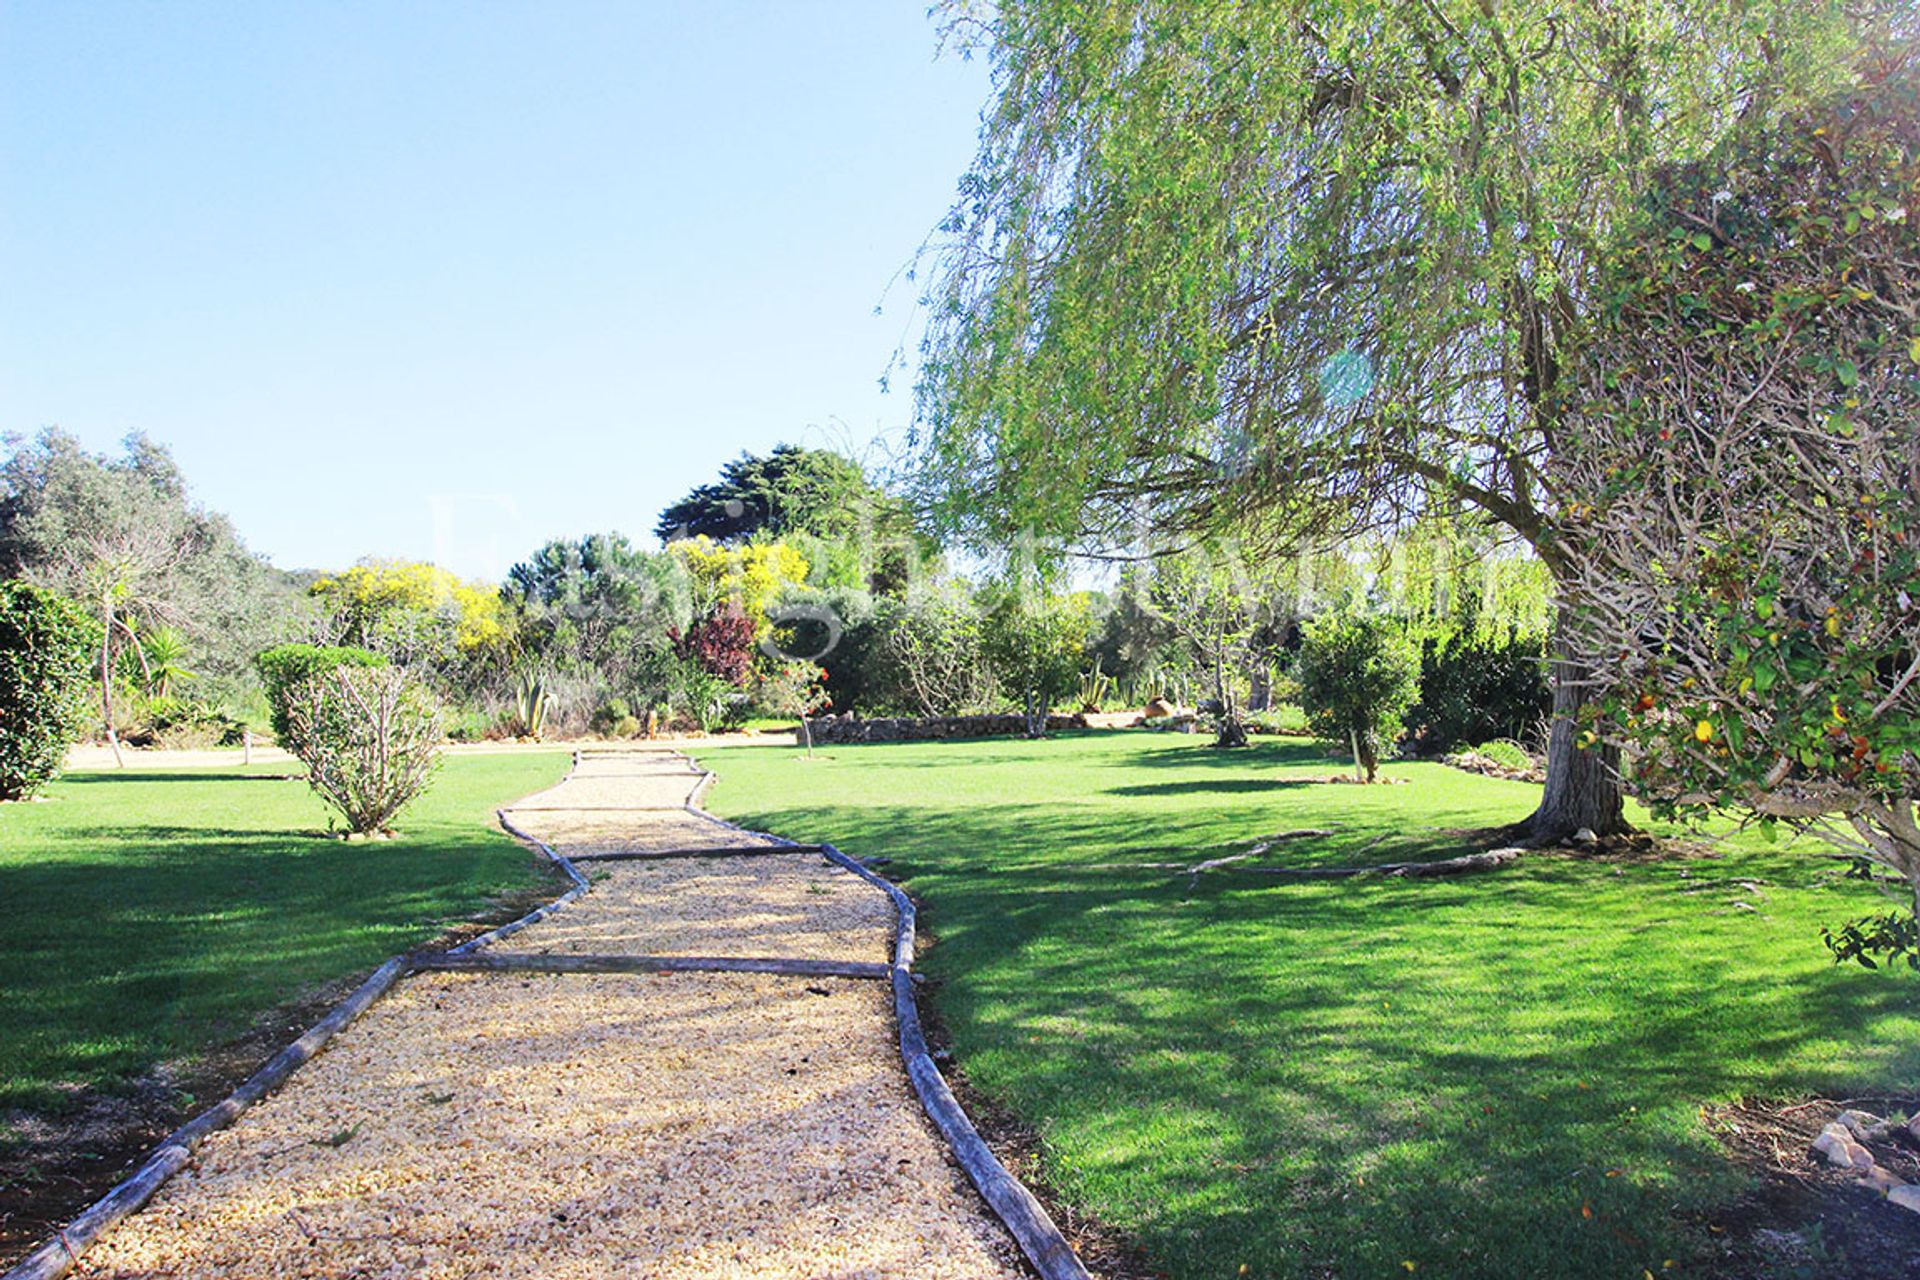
[
  {"x": 144, "y": 775},
  {"x": 1495, "y": 1076},
  {"x": 159, "y": 940},
  {"x": 1198, "y": 785}
]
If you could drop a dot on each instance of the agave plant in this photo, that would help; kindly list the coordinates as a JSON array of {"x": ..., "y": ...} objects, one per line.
[
  {"x": 530, "y": 703},
  {"x": 1095, "y": 685}
]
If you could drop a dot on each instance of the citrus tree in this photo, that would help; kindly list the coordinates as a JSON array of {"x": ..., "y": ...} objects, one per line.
[{"x": 1741, "y": 468}]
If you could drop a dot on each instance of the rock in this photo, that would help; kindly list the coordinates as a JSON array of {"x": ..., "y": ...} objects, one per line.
[
  {"x": 1832, "y": 1144},
  {"x": 1907, "y": 1197},
  {"x": 1865, "y": 1126},
  {"x": 1841, "y": 1151},
  {"x": 1882, "y": 1179},
  {"x": 1157, "y": 708},
  {"x": 1859, "y": 1123},
  {"x": 1585, "y": 838},
  {"x": 1913, "y": 1127}
]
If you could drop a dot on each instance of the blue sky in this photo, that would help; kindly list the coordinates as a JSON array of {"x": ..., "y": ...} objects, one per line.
[{"x": 444, "y": 280}]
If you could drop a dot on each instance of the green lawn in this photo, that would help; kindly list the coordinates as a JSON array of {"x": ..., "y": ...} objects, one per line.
[
  {"x": 1498, "y": 1075},
  {"x": 152, "y": 914}
]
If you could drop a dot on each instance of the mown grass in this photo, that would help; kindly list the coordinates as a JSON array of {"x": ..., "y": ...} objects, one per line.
[
  {"x": 151, "y": 914},
  {"x": 1499, "y": 1075}
]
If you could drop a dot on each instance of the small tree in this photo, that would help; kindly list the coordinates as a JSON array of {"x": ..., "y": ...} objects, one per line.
[
  {"x": 1358, "y": 675},
  {"x": 370, "y": 739},
  {"x": 1739, "y": 470},
  {"x": 1213, "y": 601},
  {"x": 46, "y": 657},
  {"x": 1036, "y": 643},
  {"x": 796, "y": 689}
]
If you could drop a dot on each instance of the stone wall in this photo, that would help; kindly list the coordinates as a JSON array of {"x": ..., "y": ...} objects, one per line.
[{"x": 914, "y": 729}]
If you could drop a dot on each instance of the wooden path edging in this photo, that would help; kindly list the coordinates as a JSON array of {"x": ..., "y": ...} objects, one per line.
[
  {"x": 57, "y": 1256},
  {"x": 712, "y": 851},
  {"x": 447, "y": 962}
]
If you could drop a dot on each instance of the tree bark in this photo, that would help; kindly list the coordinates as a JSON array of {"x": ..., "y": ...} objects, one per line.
[
  {"x": 106, "y": 688},
  {"x": 1583, "y": 786}
]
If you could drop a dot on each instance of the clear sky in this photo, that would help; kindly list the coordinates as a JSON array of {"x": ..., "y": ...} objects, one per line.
[{"x": 445, "y": 280}]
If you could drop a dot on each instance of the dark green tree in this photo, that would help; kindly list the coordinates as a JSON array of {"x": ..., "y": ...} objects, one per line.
[
  {"x": 865, "y": 536},
  {"x": 47, "y": 643},
  {"x": 602, "y": 611}
]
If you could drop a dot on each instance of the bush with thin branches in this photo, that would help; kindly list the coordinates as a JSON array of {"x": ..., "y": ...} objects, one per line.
[{"x": 370, "y": 739}]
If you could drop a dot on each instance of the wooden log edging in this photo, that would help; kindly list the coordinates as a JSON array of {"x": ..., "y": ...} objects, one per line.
[
  {"x": 1024, "y": 1217},
  {"x": 580, "y": 884},
  {"x": 711, "y": 851},
  {"x": 510, "y": 962},
  {"x": 57, "y": 1256}
]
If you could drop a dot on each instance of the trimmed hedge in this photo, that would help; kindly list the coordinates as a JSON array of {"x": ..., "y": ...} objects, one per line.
[
  {"x": 47, "y": 648},
  {"x": 286, "y": 665}
]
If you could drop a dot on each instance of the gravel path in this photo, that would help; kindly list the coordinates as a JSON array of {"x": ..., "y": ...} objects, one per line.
[{"x": 584, "y": 1126}]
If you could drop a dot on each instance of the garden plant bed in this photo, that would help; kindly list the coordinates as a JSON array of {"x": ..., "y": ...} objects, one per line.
[{"x": 1802, "y": 1215}]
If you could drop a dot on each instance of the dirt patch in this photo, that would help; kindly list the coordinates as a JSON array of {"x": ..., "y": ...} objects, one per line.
[{"x": 1805, "y": 1218}]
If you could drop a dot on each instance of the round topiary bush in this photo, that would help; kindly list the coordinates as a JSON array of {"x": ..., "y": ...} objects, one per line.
[
  {"x": 286, "y": 665},
  {"x": 47, "y": 647}
]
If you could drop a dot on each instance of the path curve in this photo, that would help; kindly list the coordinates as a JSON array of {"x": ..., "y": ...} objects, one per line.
[{"x": 522, "y": 1123}]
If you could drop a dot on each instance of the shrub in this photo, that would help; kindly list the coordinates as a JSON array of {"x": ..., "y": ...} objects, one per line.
[
  {"x": 1475, "y": 687},
  {"x": 1358, "y": 675},
  {"x": 47, "y": 644},
  {"x": 1506, "y": 753},
  {"x": 183, "y": 724},
  {"x": 1035, "y": 644},
  {"x": 843, "y": 630},
  {"x": 369, "y": 737},
  {"x": 711, "y": 700},
  {"x": 934, "y": 650},
  {"x": 722, "y": 643},
  {"x": 286, "y": 665}
]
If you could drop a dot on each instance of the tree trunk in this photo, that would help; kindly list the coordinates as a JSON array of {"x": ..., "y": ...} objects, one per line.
[
  {"x": 106, "y": 689},
  {"x": 1036, "y": 714},
  {"x": 1583, "y": 787}
]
